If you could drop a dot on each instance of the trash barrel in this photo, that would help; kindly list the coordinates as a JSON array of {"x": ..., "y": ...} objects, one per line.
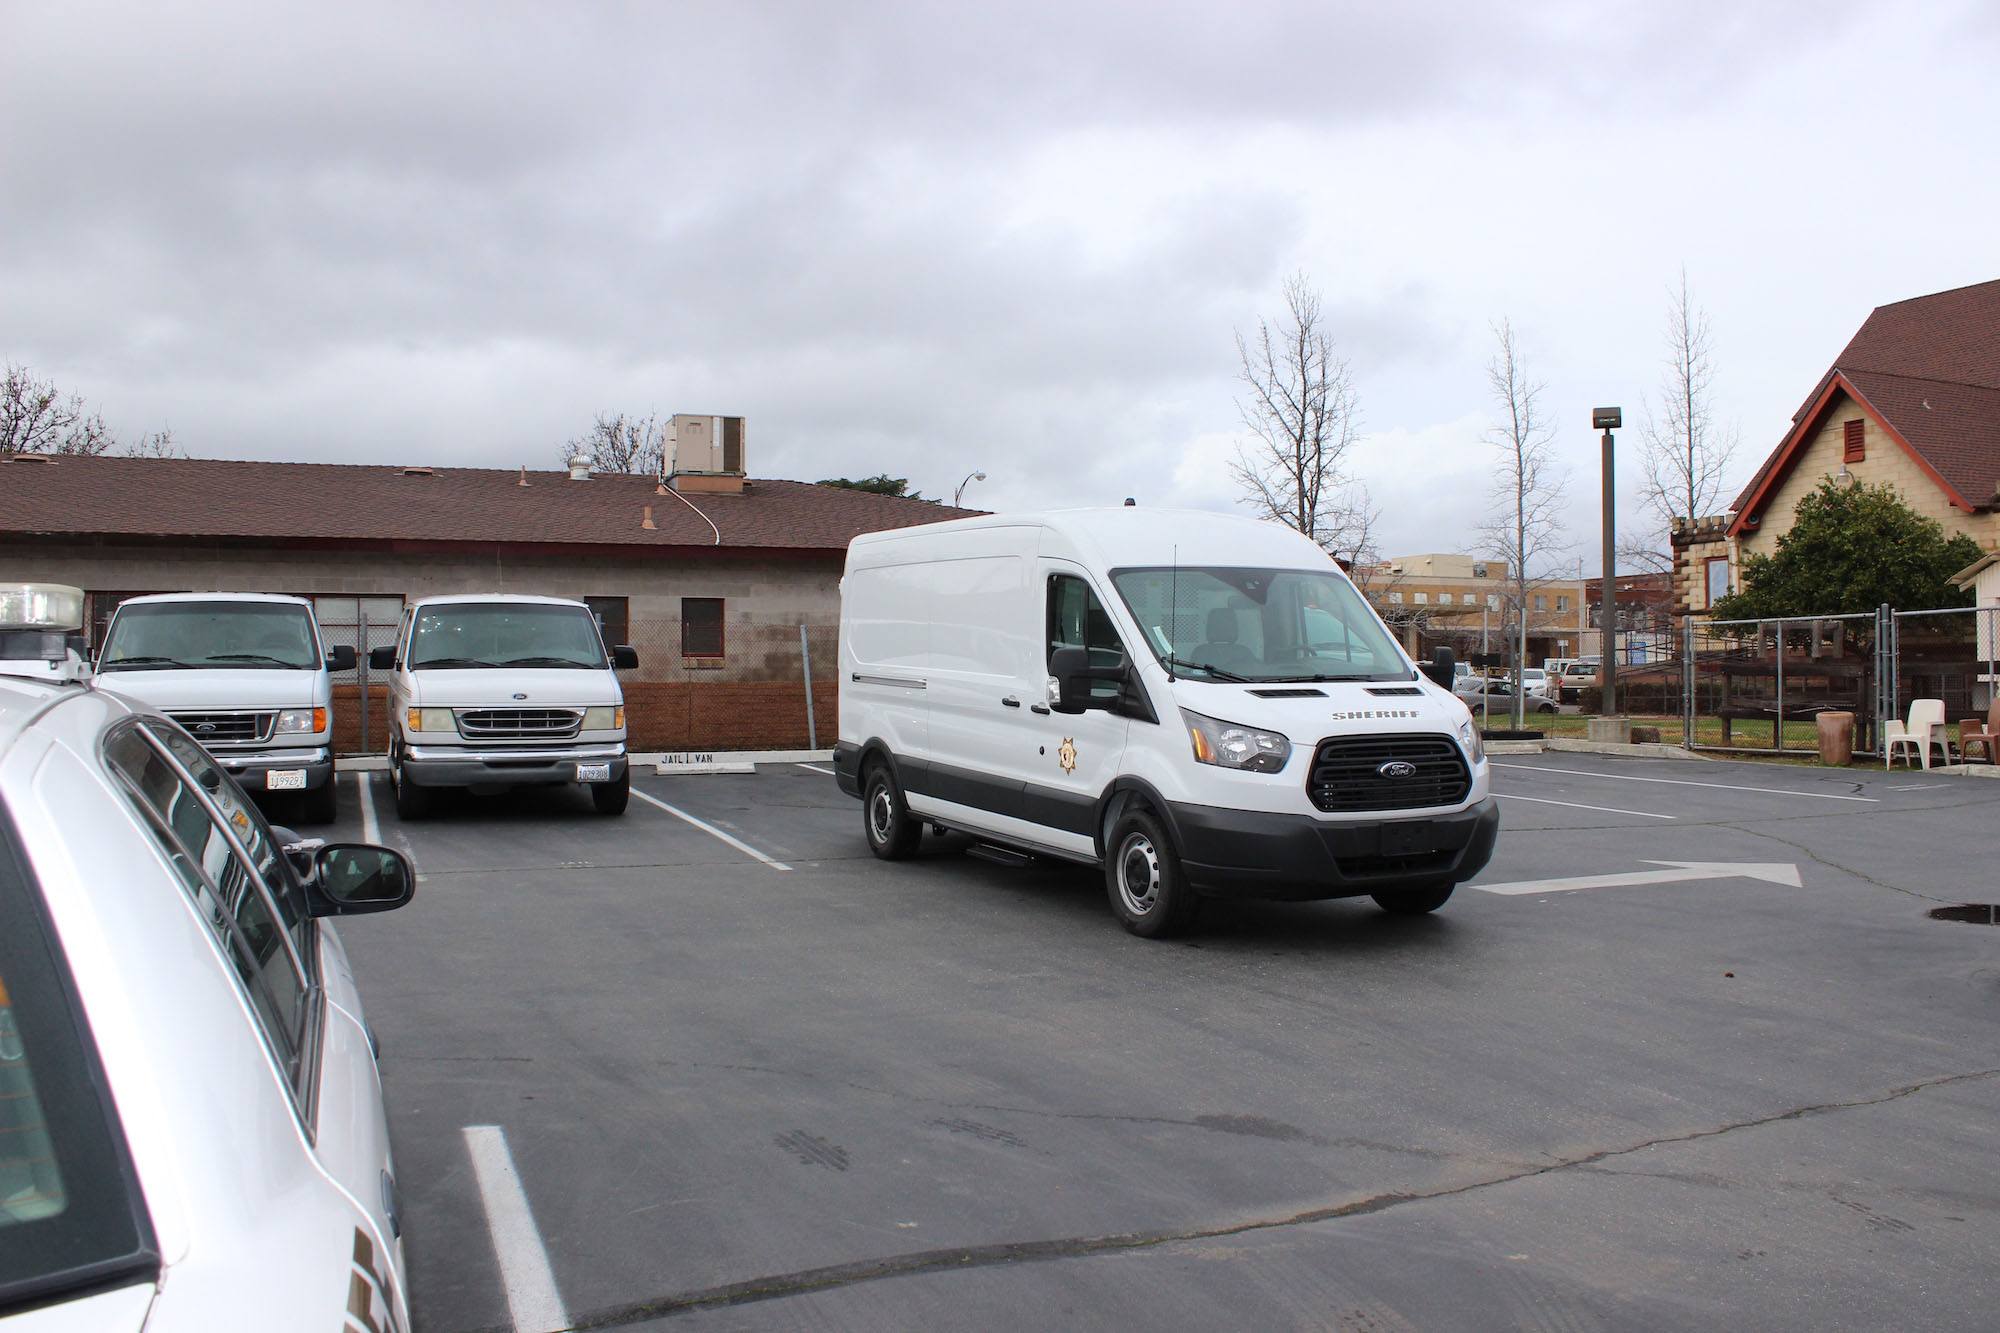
[{"x": 1836, "y": 739}]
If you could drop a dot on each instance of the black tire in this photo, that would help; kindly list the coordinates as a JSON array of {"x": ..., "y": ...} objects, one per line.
[
  {"x": 892, "y": 831},
  {"x": 412, "y": 801},
  {"x": 611, "y": 798},
  {"x": 1149, "y": 893},
  {"x": 321, "y": 804},
  {"x": 1415, "y": 900}
]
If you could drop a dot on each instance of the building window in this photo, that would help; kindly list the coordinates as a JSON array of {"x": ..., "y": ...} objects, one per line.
[
  {"x": 1479, "y": 570},
  {"x": 1541, "y": 602},
  {"x": 1395, "y": 599},
  {"x": 1562, "y": 601},
  {"x": 1444, "y": 599},
  {"x": 701, "y": 627},
  {"x": 1856, "y": 443},
  {"x": 1717, "y": 569},
  {"x": 613, "y": 619},
  {"x": 1492, "y": 601},
  {"x": 1423, "y": 599}
]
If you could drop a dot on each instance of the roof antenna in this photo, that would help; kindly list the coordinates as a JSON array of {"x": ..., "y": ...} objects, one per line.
[{"x": 1173, "y": 613}]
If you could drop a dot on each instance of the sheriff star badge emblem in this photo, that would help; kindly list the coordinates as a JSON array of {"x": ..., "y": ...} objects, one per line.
[{"x": 1066, "y": 754}]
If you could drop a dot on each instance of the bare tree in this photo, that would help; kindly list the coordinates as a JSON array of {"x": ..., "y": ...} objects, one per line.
[
  {"x": 619, "y": 443},
  {"x": 1525, "y": 530},
  {"x": 37, "y": 418},
  {"x": 160, "y": 444},
  {"x": 1301, "y": 408},
  {"x": 1687, "y": 454}
]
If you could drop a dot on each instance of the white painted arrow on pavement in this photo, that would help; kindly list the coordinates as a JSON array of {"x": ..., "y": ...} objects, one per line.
[{"x": 1787, "y": 875}]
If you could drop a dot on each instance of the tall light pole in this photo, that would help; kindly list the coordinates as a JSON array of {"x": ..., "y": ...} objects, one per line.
[
  {"x": 1608, "y": 419},
  {"x": 970, "y": 477}
]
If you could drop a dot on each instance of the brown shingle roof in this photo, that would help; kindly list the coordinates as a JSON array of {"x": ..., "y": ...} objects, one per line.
[
  {"x": 1930, "y": 368},
  {"x": 334, "y": 502}
]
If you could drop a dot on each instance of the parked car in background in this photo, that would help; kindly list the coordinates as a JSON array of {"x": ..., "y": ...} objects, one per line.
[
  {"x": 1576, "y": 677},
  {"x": 1496, "y": 695},
  {"x": 488, "y": 692},
  {"x": 248, "y": 675},
  {"x": 192, "y": 1133},
  {"x": 1535, "y": 681}
]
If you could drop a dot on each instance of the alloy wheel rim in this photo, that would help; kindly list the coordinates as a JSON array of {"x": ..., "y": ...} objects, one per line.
[{"x": 1139, "y": 874}]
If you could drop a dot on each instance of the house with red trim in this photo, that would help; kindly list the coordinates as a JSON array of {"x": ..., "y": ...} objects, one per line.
[{"x": 1913, "y": 401}]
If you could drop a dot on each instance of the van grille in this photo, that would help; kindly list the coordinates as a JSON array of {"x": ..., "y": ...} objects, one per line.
[
  {"x": 1346, "y": 776},
  {"x": 519, "y": 724},
  {"x": 227, "y": 728}
]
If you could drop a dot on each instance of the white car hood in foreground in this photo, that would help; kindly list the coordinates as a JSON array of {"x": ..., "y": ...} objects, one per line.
[
  {"x": 222, "y": 688},
  {"x": 514, "y": 687},
  {"x": 1341, "y": 708}
]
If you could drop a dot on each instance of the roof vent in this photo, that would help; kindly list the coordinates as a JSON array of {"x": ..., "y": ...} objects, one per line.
[
  {"x": 30, "y": 458},
  {"x": 579, "y": 468},
  {"x": 647, "y": 522},
  {"x": 419, "y": 472},
  {"x": 524, "y": 476}
]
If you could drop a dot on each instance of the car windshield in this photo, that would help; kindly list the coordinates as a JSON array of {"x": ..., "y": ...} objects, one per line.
[
  {"x": 1221, "y": 623},
  {"x": 153, "y": 636},
  {"x": 469, "y": 635}
]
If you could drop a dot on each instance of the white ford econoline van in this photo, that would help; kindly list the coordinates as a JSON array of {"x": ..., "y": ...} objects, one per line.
[
  {"x": 491, "y": 691},
  {"x": 246, "y": 674},
  {"x": 1202, "y": 704}
]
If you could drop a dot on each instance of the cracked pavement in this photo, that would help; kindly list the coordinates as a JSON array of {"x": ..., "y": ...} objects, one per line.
[{"x": 952, "y": 1093}]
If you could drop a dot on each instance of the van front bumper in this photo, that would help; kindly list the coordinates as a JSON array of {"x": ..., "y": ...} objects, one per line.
[
  {"x": 1248, "y": 854},
  {"x": 456, "y": 766},
  {"x": 248, "y": 767}
]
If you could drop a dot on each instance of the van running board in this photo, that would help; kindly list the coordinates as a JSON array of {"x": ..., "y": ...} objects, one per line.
[{"x": 999, "y": 856}]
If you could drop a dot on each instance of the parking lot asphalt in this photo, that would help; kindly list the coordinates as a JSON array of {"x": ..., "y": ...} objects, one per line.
[{"x": 1746, "y": 1081}]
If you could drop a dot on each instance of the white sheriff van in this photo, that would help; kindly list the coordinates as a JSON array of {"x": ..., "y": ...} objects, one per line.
[
  {"x": 246, "y": 673},
  {"x": 491, "y": 691},
  {"x": 1201, "y": 704},
  {"x": 192, "y": 1133}
]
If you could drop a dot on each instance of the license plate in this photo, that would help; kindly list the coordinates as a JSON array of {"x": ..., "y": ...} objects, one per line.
[
  {"x": 593, "y": 772},
  {"x": 1411, "y": 839},
  {"x": 284, "y": 779}
]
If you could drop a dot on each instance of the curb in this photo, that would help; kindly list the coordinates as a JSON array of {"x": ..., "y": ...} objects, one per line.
[{"x": 1635, "y": 750}]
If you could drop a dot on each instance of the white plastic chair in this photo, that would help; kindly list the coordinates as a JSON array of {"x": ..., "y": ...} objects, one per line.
[{"x": 1924, "y": 729}]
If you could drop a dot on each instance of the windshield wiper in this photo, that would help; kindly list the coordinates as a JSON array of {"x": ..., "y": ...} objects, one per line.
[
  {"x": 1170, "y": 661},
  {"x": 548, "y": 661},
  {"x": 252, "y": 657},
  {"x": 451, "y": 662},
  {"x": 146, "y": 660}
]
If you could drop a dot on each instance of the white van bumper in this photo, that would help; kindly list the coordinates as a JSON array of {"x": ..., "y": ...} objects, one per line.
[
  {"x": 1254, "y": 854},
  {"x": 462, "y": 766}
]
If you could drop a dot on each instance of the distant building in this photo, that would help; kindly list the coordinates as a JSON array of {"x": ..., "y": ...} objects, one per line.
[{"x": 1463, "y": 601}]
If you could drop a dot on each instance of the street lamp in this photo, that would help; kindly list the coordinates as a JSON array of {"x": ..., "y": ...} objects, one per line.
[
  {"x": 970, "y": 477},
  {"x": 1608, "y": 419}
]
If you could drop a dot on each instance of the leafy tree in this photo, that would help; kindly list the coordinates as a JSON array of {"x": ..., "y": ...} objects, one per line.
[
  {"x": 1852, "y": 548},
  {"x": 880, "y": 484}
]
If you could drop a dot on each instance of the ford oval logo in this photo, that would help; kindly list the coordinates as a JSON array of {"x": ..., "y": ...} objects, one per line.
[
  {"x": 204, "y": 728},
  {"x": 1397, "y": 768},
  {"x": 520, "y": 696}
]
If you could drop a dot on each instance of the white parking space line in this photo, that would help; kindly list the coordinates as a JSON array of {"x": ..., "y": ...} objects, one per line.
[
  {"x": 711, "y": 830},
  {"x": 371, "y": 828},
  {"x": 815, "y": 768},
  {"x": 532, "y": 1298},
  {"x": 1922, "y": 786},
  {"x": 1683, "y": 782},
  {"x": 1577, "y": 805}
]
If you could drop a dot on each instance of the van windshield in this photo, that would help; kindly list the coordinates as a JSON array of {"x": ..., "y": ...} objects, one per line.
[
  {"x": 470, "y": 635},
  {"x": 1261, "y": 625},
  {"x": 216, "y": 636}
]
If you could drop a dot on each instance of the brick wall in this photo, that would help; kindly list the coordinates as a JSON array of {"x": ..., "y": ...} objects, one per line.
[{"x": 728, "y": 715}]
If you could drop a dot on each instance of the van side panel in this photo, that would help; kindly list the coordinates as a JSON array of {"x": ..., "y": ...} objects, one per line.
[
  {"x": 981, "y": 643},
  {"x": 884, "y": 653}
]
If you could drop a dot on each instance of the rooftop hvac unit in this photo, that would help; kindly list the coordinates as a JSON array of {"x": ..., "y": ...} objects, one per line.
[{"x": 708, "y": 445}]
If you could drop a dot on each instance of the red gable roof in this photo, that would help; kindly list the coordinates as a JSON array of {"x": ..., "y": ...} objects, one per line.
[
  {"x": 1928, "y": 370},
  {"x": 334, "y": 503}
]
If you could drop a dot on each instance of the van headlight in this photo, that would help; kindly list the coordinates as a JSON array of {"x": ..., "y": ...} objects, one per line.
[
  {"x": 1474, "y": 743},
  {"x": 1227, "y": 745},
  {"x": 296, "y": 720},
  {"x": 430, "y": 719},
  {"x": 604, "y": 719}
]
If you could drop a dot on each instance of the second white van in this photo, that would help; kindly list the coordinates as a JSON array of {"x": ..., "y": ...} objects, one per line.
[{"x": 1203, "y": 705}]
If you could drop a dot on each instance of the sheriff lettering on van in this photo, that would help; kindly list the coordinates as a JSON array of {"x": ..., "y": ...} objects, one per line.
[{"x": 1203, "y": 705}]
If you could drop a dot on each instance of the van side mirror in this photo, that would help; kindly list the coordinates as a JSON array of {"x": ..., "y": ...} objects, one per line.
[
  {"x": 625, "y": 658},
  {"x": 1071, "y": 672},
  {"x": 1442, "y": 667},
  {"x": 350, "y": 878},
  {"x": 382, "y": 659},
  {"x": 340, "y": 657}
]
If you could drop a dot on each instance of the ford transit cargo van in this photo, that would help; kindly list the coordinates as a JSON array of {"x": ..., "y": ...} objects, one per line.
[{"x": 1202, "y": 705}]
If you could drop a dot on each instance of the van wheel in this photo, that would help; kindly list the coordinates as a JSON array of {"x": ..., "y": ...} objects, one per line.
[
  {"x": 412, "y": 801},
  {"x": 611, "y": 798},
  {"x": 1415, "y": 900},
  {"x": 1142, "y": 877},
  {"x": 892, "y": 832},
  {"x": 321, "y": 804}
]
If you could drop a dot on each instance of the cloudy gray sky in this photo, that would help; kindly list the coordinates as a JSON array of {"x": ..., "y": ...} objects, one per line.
[{"x": 929, "y": 238}]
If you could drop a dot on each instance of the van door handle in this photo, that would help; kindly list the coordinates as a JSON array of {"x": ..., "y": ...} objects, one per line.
[
  {"x": 1010, "y": 702},
  {"x": 1043, "y": 709}
]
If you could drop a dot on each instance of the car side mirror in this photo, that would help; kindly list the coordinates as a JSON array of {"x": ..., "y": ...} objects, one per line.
[
  {"x": 625, "y": 658},
  {"x": 340, "y": 657},
  {"x": 350, "y": 878},
  {"x": 1442, "y": 667},
  {"x": 382, "y": 659},
  {"x": 1071, "y": 673}
]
